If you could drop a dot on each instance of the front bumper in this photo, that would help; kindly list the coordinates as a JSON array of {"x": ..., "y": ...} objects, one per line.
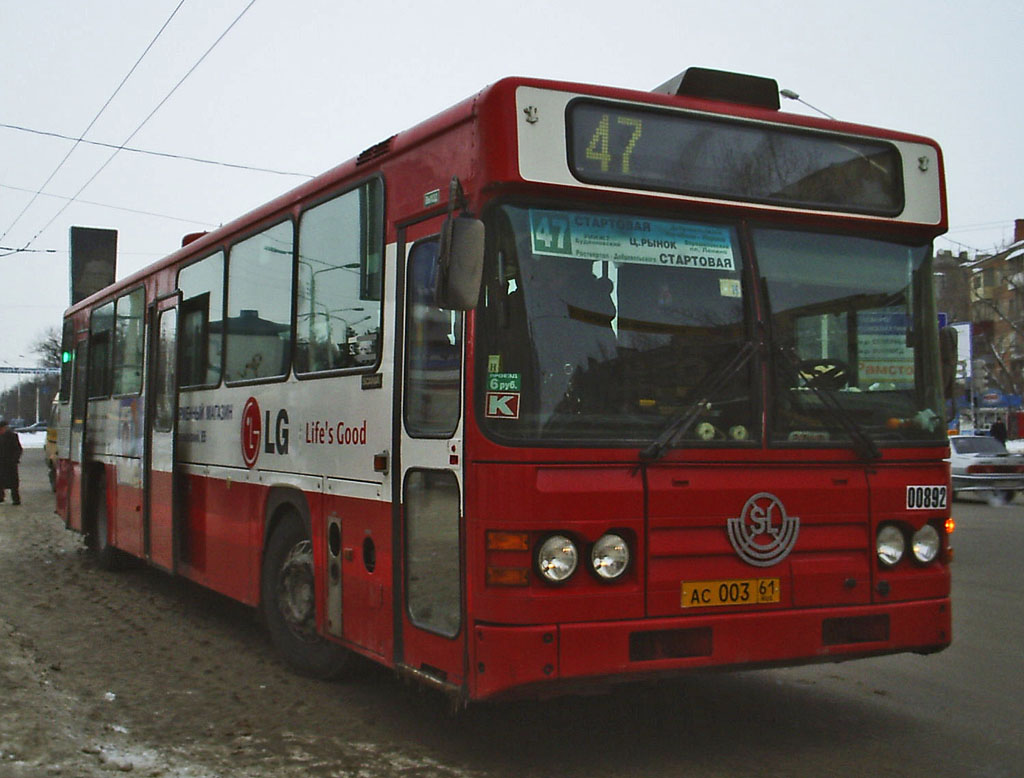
[
  {"x": 987, "y": 482},
  {"x": 536, "y": 660}
]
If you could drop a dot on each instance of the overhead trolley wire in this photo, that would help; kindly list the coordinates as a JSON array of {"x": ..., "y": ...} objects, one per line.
[
  {"x": 152, "y": 153},
  {"x": 113, "y": 207},
  {"x": 94, "y": 120},
  {"x": 140, "y": 126}
]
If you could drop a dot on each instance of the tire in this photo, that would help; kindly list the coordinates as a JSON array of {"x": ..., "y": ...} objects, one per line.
[
  {"x": 1007, "y": 495},
  {"x": 97, "y": 540},
  {"x": 52, "y": 472},
  {"x": 288, "y": 600}
]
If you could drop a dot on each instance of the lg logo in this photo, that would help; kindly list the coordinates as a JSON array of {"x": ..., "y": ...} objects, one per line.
[{"x": 253, "y": 426}]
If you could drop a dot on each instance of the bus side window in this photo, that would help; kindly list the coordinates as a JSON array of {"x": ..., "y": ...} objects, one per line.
[
  {"x": 202, "y": 321},
  {"x": 258, "y": 327},
  {"x": 128, "y": 340},
  {"x": 66, "y": 361},
  {"x": 101, "y": 326},
  {"x": 338, "y": 295}
]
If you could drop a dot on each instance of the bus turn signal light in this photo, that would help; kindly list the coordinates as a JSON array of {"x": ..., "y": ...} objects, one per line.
[
  {"x": 507, "y": 541},
  {"x": 508, "y": 576},
  {"x": 950, "y": 525}
]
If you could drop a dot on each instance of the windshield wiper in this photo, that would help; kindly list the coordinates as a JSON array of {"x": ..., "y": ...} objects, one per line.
[
  {"x": 706, "y": 392},
  {"x": 863, "y": 445}
]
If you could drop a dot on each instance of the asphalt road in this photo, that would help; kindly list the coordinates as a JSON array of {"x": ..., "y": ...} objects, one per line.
[{"x": 136, "y": 671}]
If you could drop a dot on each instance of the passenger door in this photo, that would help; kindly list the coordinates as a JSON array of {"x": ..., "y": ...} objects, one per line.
[
  {"x": 161, "y": 515},
  {"x": 429, "y": 490},
  {"x": 74, "y": 482}
]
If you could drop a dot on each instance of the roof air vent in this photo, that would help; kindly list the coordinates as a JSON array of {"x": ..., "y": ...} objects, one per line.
[
  {"x": 373, "y": 152},
  {"x": 722, "y": 85}
]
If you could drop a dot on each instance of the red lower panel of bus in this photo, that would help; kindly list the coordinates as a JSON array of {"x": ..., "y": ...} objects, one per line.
[
  {"x": 357, "y": 592},
  {"x": 161, "y": 520},
  {"x": 222, "y": 536},
  {"x": 528, "y": 658},
  {"x": 125, "y": 502}
]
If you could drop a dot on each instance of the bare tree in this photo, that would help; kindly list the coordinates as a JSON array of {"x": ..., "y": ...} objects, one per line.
[{"x": 48, "y": 347}]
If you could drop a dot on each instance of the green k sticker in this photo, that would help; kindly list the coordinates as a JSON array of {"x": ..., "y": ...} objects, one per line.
[{"x": 504, "y": 382}]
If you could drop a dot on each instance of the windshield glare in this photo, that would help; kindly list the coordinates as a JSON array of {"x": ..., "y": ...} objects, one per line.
[{"x": 608, "y": 328}]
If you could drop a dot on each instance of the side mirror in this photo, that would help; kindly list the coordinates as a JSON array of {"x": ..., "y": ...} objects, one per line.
[{"x": 460, "y": 264}]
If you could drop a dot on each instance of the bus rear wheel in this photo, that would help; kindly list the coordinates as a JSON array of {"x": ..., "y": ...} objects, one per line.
[
  {"x": 97, "y": 539},
  {"x": 289, "y": 602}
]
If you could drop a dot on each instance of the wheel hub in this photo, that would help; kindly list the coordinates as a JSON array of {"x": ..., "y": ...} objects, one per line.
[{"x": 295, "y": 589}]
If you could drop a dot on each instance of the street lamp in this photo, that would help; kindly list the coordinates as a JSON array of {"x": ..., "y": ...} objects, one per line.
[
  {"x": 789, "y": 94},
  {"x": 17, "y": 386}
]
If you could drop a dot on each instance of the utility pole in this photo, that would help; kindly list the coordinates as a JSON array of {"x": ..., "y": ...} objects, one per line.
[{"x": 37, "y": 371}]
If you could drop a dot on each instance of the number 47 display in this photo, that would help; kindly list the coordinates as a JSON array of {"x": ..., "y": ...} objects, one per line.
[{"x": 600, "y": 142}]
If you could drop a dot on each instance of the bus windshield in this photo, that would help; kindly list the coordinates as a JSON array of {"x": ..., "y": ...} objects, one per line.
[
  {"x": 855, "y": 336},
  {"x": 610, "y": 329},
  {"x": 604, "y": 327}
]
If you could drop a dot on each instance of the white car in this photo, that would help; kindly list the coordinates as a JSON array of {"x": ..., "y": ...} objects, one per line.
[{"x": 982, "y": 464}]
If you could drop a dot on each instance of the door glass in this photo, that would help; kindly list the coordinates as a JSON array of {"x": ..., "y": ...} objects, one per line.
[
  {"x": 433, "y": 375},
  {"x": 163, "y": 416},
  {"x": 433, "y": 575}
]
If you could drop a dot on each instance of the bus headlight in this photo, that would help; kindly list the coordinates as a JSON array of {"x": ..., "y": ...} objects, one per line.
[
  {"x": 926, "y": 544},
  {"x": 890, "y": 545},
  {"x": 610, "y": 556},
  {"x": 557, "y": 558}
]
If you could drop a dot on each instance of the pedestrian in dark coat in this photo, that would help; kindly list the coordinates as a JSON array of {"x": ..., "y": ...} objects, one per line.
[
  {"x": 998, "y": 431},
  {"x": 10, "y": 455}
]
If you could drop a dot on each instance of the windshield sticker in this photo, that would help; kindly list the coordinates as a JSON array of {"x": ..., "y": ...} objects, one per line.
[
  {"x": 605, "y": 238},
  {"x": 504, "y": 382},
  {"x": 501, "y": 405},
  {"x": 729, "y": 287},
  {"x": 885, "y": 360}
]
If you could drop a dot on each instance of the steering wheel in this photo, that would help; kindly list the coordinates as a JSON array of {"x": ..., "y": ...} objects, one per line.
[{"x": 825, "y": 373}]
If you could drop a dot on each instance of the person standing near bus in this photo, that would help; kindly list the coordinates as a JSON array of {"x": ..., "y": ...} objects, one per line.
[
  {"x": 10, "y": 455},
  {"x": 998, "y": 431}
]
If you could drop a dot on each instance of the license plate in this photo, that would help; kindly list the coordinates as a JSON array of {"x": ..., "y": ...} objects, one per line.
[
  {"x": 926, "y": 497},
  {"x": 750, "y": 591}
]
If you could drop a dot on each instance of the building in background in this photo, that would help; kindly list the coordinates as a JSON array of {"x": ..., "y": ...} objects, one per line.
[{"x": 987, "y": 292}]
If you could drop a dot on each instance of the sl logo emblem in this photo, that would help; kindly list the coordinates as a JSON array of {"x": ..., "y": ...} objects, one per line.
[{"x": 763, "y": 534}]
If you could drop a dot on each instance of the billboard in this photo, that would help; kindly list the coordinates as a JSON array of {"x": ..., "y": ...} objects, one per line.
[
  {"x": 964, "y": 361},
  {"x": 92, "y": 261}
]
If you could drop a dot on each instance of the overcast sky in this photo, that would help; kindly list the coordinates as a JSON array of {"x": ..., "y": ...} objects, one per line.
[{"x": 301, "y": 85}]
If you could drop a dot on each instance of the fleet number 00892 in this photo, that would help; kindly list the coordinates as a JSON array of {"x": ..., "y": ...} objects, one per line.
[{"x": 750, "y": 591}]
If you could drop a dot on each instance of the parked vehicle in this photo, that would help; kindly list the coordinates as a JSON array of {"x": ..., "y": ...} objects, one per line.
[
  {"x": 38, "y": 426},
  {"x": 982, "y": 464},
  {"x": 50, "y": 446}
]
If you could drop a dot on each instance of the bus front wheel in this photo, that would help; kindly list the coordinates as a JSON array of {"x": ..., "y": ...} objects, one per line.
[{"x": 289, "y": 602}]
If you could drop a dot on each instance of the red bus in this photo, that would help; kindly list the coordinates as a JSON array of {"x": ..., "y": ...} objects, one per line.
[{"x": 566, "y": 385}]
